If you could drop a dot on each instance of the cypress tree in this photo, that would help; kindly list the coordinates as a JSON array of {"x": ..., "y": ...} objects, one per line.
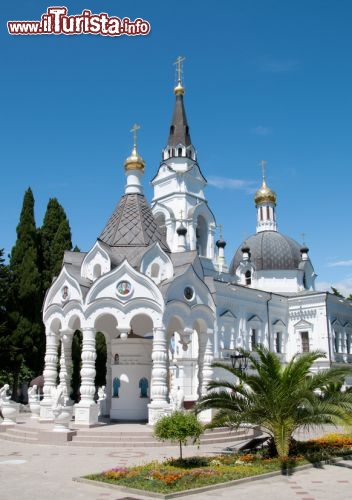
[
  {"x": 55, "y": 238},
  {"x": 27, "y": 336},
  {"x": 4, "y": 343}
]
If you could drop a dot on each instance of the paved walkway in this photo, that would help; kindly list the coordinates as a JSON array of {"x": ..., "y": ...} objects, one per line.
[{"x": 45, "y": 472}]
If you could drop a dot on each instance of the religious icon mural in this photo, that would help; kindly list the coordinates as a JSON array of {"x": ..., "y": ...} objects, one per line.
[
  {"x": 123, "y": 287},
  {"x": 116, "y": 359},
  {"x": 143, "y": 385},
  {"x": 116, "y": 387}
]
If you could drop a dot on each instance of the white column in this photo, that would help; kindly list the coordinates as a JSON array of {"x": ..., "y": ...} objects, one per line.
[
  {"x": 159, "y": 387},
  {"x": 66, "y": 365},
  {"x": 210, "y": 241},
  {"x": 86, "y": 411},
  {"x": 206, "y": 357},
  {"x": 50, "y": 375},
  {"x": 159, "y": 370},
  {"x": 206, "y": 340},
  {"x": 87, "y": 388}
]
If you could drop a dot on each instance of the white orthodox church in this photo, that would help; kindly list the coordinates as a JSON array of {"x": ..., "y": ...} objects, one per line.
[{"x": 157, "y": 286}]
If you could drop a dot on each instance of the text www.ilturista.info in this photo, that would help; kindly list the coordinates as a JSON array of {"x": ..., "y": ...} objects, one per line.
[{"x": 57, "y": 22}]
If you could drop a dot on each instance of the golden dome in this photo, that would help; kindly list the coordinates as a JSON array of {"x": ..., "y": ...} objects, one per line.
[
  {"x": 134, "y": 161},
  {"x": 179, "y": 89},
  {"x": 264, "y": 195}
]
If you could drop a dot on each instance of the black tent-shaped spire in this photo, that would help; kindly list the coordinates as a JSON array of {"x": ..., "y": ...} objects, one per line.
[{"x": 179, "y": 129}]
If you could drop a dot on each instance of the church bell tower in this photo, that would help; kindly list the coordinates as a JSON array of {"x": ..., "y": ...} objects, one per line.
[{"x": 179, "y": 200}]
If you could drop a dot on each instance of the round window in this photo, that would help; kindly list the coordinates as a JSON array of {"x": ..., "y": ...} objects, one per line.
[{"x": 188, "y": 293}]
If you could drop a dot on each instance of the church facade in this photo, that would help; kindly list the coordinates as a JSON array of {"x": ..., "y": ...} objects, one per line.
[{"x": 157, "y": 286}]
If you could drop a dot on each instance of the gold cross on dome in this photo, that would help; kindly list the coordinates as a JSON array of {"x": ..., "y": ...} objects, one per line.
[
  {"x": 178, "y": 64},
  {"x": 303, "y": 238},
  {"x": 220, "y": 231},
  {"x": 263, "y": 163},
  {"x": 134, "y": 130}
]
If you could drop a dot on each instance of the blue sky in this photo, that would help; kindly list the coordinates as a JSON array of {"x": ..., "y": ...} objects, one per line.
[{"x": 264, "y": 80}]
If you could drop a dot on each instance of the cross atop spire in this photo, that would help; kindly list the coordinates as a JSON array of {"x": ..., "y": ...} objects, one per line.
[
  {"x": 263, "y": 163},
  {"x": 179, "y": 89},
  {"x": 178, "y": 64},
  {"x": 134, "y": 130}
]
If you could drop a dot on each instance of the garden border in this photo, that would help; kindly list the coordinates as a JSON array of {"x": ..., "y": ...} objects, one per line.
[{"x": 211, "y": 487}]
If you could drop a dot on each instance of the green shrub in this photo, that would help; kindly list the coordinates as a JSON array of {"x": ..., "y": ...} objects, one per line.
[{"x": 178, "y": 427}]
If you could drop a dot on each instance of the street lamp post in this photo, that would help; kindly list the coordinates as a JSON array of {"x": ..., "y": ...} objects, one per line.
[{"x": 239, "y": 361}]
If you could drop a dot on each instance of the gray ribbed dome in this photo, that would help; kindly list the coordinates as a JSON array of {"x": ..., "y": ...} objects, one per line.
[{"x": 269, "y": 250}]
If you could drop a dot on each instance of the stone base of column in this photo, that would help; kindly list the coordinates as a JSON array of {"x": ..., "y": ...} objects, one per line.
[
  {"x": 46, "y": 411},
  {"x": 157, "y": 410},
  {"x": 86, "y": 413}
]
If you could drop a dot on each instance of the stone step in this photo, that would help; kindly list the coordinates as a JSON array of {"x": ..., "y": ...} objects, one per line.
[
  {"x": 101, "y": 437},
  {"x": 85, "y": 438},
  {"x": 6, "y": 436},
  {"x": 118, "y": 438}
]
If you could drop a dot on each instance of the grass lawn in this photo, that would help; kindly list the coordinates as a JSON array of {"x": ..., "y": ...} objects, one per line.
[{"x": 175, "y": 475}]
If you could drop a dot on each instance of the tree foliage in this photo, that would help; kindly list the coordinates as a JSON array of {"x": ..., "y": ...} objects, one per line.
[
  {"x": 279, "y": 398},
  {"x": 25, "y": 329},
  {"x": 35, "y": 258},
  {"x": 178, "y": 427},
  {"x": 55, "y": 238}
]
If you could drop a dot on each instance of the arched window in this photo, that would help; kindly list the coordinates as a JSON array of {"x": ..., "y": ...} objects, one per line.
[
  {"x": 160, "y": 219},
  {"x": 202, "y": 236},
  {"x": 154, "y": 273},
  {"x": 305, "y": 341},
  {"x": 179, "y": 151},
  {"x": 248, "y": 276},
  {"x": 172, "y": 130},
  {"x": 97, "y": 271}
]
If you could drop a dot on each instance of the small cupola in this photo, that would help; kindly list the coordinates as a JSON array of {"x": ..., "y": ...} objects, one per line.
[
  {"x": 134, "y": 161},
  {"x": 265, "y": 202}
]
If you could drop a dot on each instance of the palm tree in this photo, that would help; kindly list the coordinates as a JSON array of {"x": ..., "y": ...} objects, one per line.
[{"x": 279, "y": 398}]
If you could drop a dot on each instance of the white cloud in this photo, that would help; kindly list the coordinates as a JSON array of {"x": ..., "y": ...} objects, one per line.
[
  {"x": 343, "y": 286},
  {"x": 225, "y": 182},
  {"x": 260, "y": 130},
  {"x": 340, "y": 263},
  {"x": 271, "y": 65}
]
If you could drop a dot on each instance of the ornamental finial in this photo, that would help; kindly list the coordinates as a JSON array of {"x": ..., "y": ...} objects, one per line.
[{"x": 179, "y": 89}]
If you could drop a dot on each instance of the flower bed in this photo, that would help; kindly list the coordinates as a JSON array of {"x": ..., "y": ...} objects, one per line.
[
  {"x": 175, "y": 475},
  {"x": 172, "y": 476}
]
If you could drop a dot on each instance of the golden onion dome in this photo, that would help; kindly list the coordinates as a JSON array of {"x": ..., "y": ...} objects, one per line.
[
  {"x": 179, "y": 89},
  {"x": 264, "y": 195},
  {"x": 134, "y": 161}
]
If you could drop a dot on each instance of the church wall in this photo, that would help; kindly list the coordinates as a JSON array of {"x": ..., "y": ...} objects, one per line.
[
  {"x": 308, "y": 327},
  {"x": 278, "y": 281},
  {"x": 131, "y": 379}
]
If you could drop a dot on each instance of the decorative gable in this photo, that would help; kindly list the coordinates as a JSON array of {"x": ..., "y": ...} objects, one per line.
[
  {"x": 279, "y": 324},
  {"x": 254, "y": 320},
  {"x": 303, "y": 325},
  {"x": 156, "y": 264},
  {"x": 125, "y": 284},
  {"x": 227, "y": 315},
  {"x": 96, "y": 263},
  {"x": 64, "y": 289}
]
